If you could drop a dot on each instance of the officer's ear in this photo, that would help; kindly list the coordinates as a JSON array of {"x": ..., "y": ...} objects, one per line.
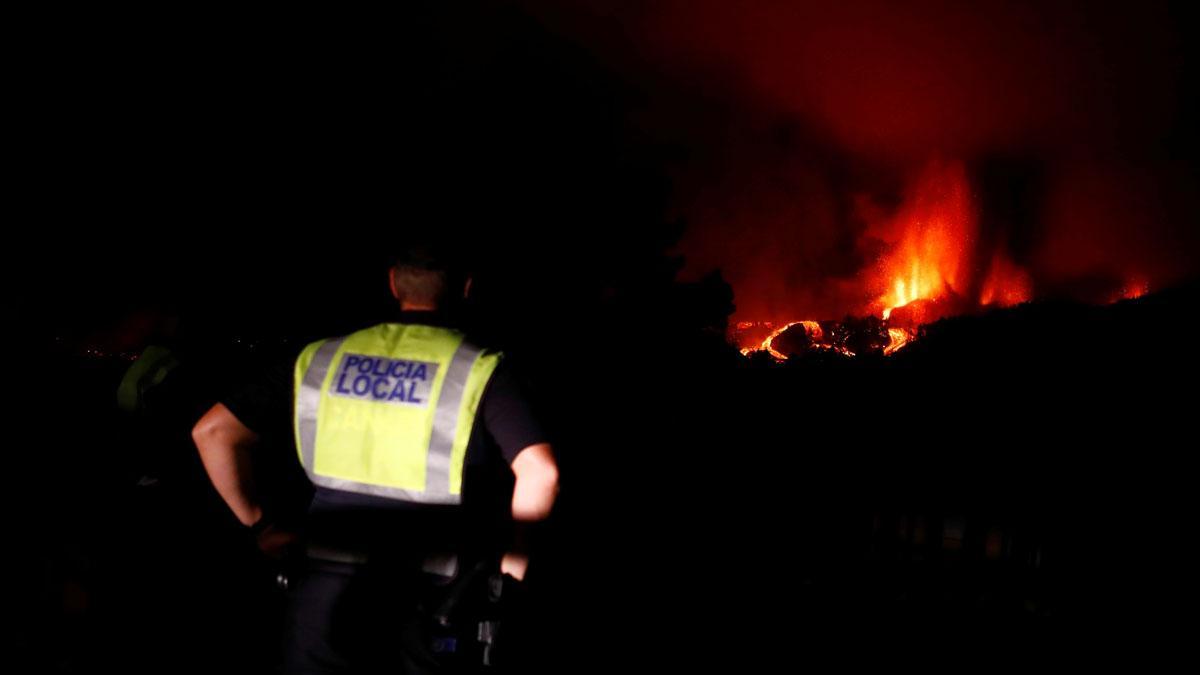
[{"x": 392, "y": 283}]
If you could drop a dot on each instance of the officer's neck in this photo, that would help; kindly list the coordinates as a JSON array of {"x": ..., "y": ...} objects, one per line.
[
  {"x": 424, "y": 314},
  {"x": 417, "y": 307}
]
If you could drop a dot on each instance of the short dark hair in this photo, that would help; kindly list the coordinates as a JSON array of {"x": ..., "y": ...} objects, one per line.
[{"x": 429, "y": 274}]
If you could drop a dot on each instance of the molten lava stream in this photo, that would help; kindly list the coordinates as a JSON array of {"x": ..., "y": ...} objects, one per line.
[{"x": 899, "y": 337}]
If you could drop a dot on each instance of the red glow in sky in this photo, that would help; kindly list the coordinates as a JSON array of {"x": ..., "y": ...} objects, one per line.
[{"x": 791, "y": 115}]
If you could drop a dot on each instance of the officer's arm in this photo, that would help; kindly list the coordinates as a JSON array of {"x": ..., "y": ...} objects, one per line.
[
  {"x": 533, "y": 495},
  {"x": 224, "y": 444}
]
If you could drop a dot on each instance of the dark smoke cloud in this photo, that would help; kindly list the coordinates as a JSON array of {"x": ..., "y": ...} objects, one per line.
[{"x": 787, "y": 117}]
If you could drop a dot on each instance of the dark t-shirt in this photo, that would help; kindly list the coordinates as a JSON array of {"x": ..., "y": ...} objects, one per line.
[{"x": 504, "y": 426}]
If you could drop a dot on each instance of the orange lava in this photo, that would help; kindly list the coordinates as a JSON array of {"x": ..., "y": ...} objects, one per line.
[
  {"x": 934, "y": 235},
  {"x": 899, "y": 337},
  {"x": 1006, "y": 284},
  {"x": 1134, "y": 288},
  {"x": 812, "y": 328}
]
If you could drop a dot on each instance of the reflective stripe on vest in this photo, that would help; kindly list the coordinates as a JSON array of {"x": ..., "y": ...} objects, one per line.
[{"x": 388, "y": 411}]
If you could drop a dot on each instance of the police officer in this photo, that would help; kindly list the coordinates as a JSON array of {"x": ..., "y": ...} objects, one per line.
[{"x": 407, "y": 431}]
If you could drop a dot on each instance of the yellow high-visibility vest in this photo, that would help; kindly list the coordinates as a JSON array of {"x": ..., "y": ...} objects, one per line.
[{"x": 388, "y": 410}]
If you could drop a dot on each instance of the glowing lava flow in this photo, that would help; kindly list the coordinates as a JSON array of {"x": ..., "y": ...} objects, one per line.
[
  {"x": 899, "y": 337},
  {"x": 933, "y": 268},
  {"x": 818, "y": 339},
  {"x": 811, "y": 328}
]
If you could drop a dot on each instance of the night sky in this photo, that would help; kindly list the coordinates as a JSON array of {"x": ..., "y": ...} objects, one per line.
[
  {"x": 212, "y": 163},
  {"x": 791, "y": 117}
]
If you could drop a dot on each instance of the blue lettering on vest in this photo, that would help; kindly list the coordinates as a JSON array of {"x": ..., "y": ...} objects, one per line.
[
  {"x": 384, "y": 380},
  {"x": 365, "y": 382},
  {"x": 380, "y": 389},
  {"x": 398, "y": 369}
]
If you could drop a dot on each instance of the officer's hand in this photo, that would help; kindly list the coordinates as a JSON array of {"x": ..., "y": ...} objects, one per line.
[{"x": 514, "y": 565}]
